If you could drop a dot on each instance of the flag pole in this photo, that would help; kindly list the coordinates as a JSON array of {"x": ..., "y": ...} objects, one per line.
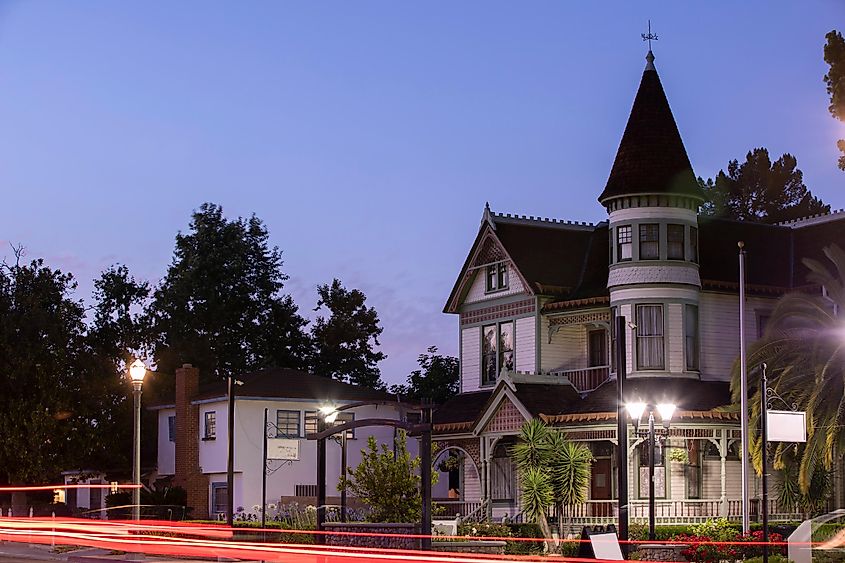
[{"x": 743, "y": 389}]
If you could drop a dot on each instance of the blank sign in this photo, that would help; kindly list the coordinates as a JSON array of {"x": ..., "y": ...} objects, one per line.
[
  {"x": 606, "y": 546},
  {"x": 786, "y": 426}
]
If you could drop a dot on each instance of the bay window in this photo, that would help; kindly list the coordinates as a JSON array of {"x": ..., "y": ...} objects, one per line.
[{"x": 650, "y": 348}]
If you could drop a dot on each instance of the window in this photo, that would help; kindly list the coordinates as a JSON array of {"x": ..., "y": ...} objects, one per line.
[
  {"x": 691, "y": 336},
  {"x": 693, "y": 244},
  {"x": 287, "y": 424},
  {"x": 624, "y": 243},
  {"x": 762, "y": 323},
  {"x": 171, "y": 428},
  {"x": 497, "y": 277},
  {"x": 597, "y": 344},
  {"x": 692, "y": 472},
  {"x": 675, "y": 242},
  {"x": 210, "y": 432},
  {"x": 659, "y": 470},
  {"x": 650, "y": 337},
  {"x": 496, "y": 350},
  {"x": 95, "y": 499},
  {"x": 342, "y": 417},
  {"x": 649, "y": 241},
  {"x": 219, "y": 496}
]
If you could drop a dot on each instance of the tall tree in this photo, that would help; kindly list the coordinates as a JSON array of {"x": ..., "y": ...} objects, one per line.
[
  {"x": 220, "y": 306},
  {"x": 834, "y": 56},
  {"x": 803, "y": 349},
  {"x": 760, "y": 190},
  {"x": 60, "y": 405},
  {"x": 345, "y": 341},
  {"x": 437, "y": 379}
]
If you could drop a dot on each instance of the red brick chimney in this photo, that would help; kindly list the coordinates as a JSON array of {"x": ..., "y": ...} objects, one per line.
[{"x": 188, "y": 475}]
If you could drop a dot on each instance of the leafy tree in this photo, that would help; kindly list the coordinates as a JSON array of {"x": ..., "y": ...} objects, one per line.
[
  {"x": 834, "y": 55},
  {"x": 760, "y": 190},
  {"x": 437, "y": 379},
  {"x": 220, "y": 306},
  {"x": 803, "y": 350},
  {"x": 61, "y": 405},
  {"x": 388, "y": 481},
  {"x": 552, "y": 471},
  {"x": 344, "y": 342}
]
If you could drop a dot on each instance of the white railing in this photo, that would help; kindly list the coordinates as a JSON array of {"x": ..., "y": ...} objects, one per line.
[
  {"x": 682, "y": 511},
  {"x": 585, "y": 379}
]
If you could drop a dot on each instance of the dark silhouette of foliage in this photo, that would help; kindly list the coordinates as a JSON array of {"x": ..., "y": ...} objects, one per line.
[
  {"x": 834, "y": 56},
  {"x": 221, "y": 306},
  {"x": 760, "y": 190},
  {"x": 437, "y": 379},
  {"x": 345, "y": 341}
]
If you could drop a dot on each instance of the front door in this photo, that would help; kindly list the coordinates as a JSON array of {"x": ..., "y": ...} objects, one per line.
[{"x": 600, "y": 486}]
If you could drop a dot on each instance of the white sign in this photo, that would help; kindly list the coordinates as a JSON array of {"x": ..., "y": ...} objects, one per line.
[
  {"x": 786, "y": 426},
  {"x": 606, "y": 546},
  {"x": 283, "y": 448}
]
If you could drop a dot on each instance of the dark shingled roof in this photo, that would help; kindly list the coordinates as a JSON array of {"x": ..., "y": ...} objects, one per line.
[
  {"x": 283, "y": 383},
  {"x": 651, "y": 157},
  {"x": 461, "y": 408},
  {"x": 551, "y": 400}
]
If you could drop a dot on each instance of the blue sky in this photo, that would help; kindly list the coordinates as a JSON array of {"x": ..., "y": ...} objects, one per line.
[{"x": 368, "y": 135}]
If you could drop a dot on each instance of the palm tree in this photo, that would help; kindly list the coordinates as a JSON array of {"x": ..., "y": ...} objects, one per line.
[
  {"x": 552, "y": 471},
  {"x": 804, "y": 349}
]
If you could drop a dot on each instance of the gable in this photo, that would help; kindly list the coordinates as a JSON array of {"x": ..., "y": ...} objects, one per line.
[{"x": 507, "y": 418}]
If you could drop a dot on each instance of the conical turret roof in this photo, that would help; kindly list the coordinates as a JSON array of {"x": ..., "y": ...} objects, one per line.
[{"x": 651, "y": 158}]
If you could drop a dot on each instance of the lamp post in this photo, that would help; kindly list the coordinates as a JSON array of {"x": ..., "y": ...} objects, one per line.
[
  {"x": 665, "y": 410},
  {"x": 137, "y": 371}
]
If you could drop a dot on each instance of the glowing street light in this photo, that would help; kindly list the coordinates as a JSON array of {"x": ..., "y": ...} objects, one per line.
[{"x": 137, "y": 372}]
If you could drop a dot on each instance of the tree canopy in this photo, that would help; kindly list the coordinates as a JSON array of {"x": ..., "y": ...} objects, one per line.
[
  {"x": 221, "y": 307},
  {"x": 61, "y": 401},
  {"x": 760, "y": 190},
  {"x": 834, "y": 56},
  {"x": 345, "y": 341},
  {"x": 437, "y": 379}
]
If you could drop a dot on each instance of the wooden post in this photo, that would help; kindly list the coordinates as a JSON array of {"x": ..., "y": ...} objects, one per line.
[{"x": 621, "y": 433}]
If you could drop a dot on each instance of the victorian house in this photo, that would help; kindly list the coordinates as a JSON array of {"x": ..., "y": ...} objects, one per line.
[{"x": 536, "y": 299}]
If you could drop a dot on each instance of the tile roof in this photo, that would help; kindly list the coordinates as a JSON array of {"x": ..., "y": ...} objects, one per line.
[
  {"x": 651, "y": 157},
  {"x": 283, "y": 383}
]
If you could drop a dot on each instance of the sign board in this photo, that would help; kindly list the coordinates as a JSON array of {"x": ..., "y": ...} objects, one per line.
[
  {"x": 283, "y": 448},
  {"x": 606, "y": 546},
  {"x": 786, "y": 426}
]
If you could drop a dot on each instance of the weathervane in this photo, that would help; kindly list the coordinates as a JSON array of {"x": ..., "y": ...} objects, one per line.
[{"x": 649, "y": 36}]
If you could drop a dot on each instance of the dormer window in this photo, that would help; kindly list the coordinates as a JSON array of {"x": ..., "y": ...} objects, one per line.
[
  {"x": 650, "y": 241},
  {"x": 624, "y": 243},
  {"x": 497, "y": 277}
]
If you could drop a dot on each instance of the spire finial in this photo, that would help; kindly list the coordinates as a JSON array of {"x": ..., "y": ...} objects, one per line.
[{"x": 649, "y": 36}]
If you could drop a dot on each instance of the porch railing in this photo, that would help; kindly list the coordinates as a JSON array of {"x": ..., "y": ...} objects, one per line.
[
  {"x": 685, "y": 511},
  {"x": 457, "y": 508},
  {"x": 586, "y": 379}
]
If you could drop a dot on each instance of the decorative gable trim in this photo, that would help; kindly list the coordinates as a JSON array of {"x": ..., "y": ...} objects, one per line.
[
  {"x": 486, "y": 250},
  {"x": 504, "y": 412}
]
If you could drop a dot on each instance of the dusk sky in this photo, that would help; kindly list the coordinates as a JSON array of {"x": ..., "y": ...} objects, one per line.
[{"x": 368, "y": 135}]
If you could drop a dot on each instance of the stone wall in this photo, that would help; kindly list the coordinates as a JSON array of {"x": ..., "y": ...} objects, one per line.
[
  {"x": 488, "y": 547},
  {"x": 383, "y": 536}
]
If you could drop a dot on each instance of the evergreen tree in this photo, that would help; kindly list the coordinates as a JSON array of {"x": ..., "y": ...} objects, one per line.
[
  {"x": 760, "y": 190},
  {"x": 345, "y": 341},
  {"x": 834, "y": 56},
  {"x": 221, "y": 306}
]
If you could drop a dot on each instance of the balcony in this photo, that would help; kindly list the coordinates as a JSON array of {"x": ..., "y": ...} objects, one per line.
[{"x": 585, "y": 379}]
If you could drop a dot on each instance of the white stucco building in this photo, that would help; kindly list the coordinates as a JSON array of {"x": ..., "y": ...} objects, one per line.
[{"x": 192, "y": 436}]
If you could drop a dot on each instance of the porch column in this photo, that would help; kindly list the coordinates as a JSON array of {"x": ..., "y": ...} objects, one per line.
[{"x": 723, "y": 453}]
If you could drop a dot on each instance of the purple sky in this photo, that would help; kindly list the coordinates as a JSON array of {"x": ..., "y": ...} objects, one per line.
[{"x": 368, "y": 135}]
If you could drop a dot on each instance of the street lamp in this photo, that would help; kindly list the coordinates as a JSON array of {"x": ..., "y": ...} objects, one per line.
[
  {"x": 666, "y": 411},
  {"x": 137, "y": 371}
]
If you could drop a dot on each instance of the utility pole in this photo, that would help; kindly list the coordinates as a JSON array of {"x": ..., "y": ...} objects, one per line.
[{"x": 621, "y": 432}]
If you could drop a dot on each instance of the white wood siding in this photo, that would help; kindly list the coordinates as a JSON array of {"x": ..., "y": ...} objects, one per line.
[
  {"x": 719, "y": 323},
  {"x": 477, "y": 292},
  {"x": 525, "y": 338},
  {"x": 470, "y": 359},
  {"x": 567, "y": 350}
]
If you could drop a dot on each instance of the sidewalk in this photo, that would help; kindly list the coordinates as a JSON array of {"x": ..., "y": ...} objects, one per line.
[{"x": 21, "y": 552}]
